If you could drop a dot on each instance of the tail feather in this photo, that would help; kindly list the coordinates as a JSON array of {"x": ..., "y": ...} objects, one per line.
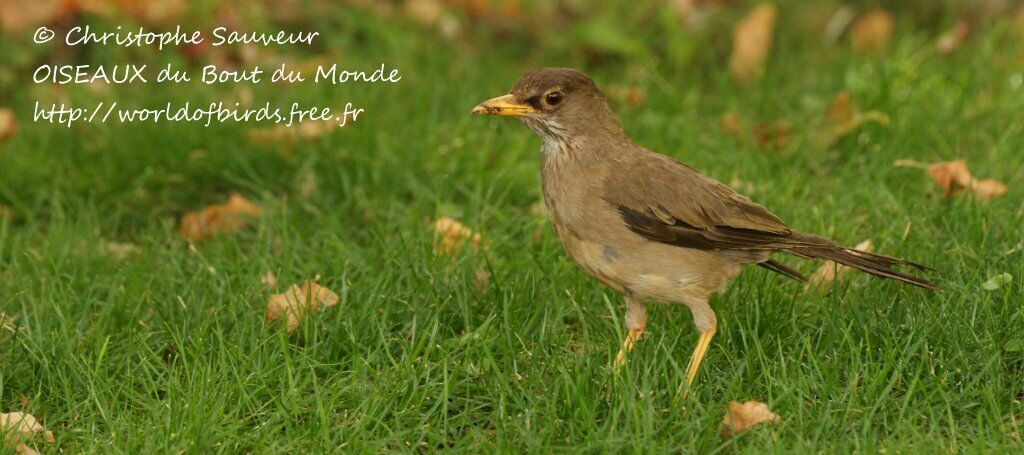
[
  {"x": 782, "y": 269},
  {"x": 813, "y": 247}
]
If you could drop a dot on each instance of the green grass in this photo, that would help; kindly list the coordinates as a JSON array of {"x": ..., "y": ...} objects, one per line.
[{"x": 167, "y": 351}]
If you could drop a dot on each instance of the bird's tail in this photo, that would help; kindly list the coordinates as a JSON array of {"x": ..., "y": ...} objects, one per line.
[{"x": 814, "y": 247}]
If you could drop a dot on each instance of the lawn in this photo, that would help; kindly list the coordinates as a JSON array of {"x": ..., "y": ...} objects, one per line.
[{"x": 165, "y": 348}]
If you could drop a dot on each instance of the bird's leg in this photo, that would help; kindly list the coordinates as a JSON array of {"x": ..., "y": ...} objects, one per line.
[
  {"x": 706, "y": 323},
  {"x": 636, "y": 323}
]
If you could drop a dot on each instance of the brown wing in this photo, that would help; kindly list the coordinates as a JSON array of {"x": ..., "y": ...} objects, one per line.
[
  {"x": 666, "y": 201},
  {"x": 669, "y": 202}
]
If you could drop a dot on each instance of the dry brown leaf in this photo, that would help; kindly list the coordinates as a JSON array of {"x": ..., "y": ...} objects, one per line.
[
  {"x": 16, "y": 427},
  {"x": 872, "y": 32},
  {"x": 732, "y": 125},
  {"x": 952, "y": 38},
  {"x": 751, "y": 42},
  {"x": 453, "y": 235},
  {"x": 987, "y": 189},
  {"x": 772, "y": 135},
  {"x": 843, "y": 117},
  {"x": 20, "y": 15},
  {"x": 8, "y": 124},
  {"x": 633, "y": 97},
  {"x": 426, "y": 12},
  {"x": 829, "y": 272},
  {"x": 743, "y": 416},
  {"x": 230, "y": 216},
  {"x": 269, "y": 279},
  {"x": 954, "y": 177},
  {"x": 297, "y": 301}
]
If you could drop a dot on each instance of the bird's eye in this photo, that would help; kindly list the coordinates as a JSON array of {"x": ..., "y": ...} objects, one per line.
[{"x": 554, "y": 98}]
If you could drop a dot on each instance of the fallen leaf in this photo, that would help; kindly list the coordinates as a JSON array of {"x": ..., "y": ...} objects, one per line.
[
  {"x": 843, "y": 117},
  {"x": 269, "y": 279},
  {"x": 633, "y": 97},
  {"x": 8, "y": 124},
  {"x": 22, "y": 449},
  {"x": 954, "y": 177},
  {"x": 297, "y": 301},
  {"x": 732, "y": 125},
  {"x": 829, "y": 272},
  {"x": 772, "y": 135},
  {"x": 16, "y": 427},
  {"x": 751, "y": 42},
  {"x": 20, "y": 15},
  {"x": 987, "y": 189},
  {"x": 453, "y": 235},
  {"x": 230, "y": 216},
  {"x": 997, "y": 282},
  {"x": 872, "y": 32},
  {"x": 743, "y": 416},
  {"x": 951, "y": 39},
  {"x": 426, "y": 12}
]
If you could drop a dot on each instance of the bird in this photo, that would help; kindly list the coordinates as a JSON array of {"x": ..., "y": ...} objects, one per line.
[{"x": 646, "y": 225}]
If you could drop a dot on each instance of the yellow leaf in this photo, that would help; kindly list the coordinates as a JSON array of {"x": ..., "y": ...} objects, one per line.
[
  {"x": 987, "y": 189},
  {"x": 751, "y": 42},
  {"x": 872, "y": 32},
  {"x": 16, "y": 427},
  {"x": 453, "y": 235},
  {"x": 843, "y": 117},
  {"x": 227, "y": 217},
  {"x": 743, "y": 416},
  {"x": 8, "y": 124},
  {"x": 297, "y": 301},
  {"x": 269, "y": 279}
]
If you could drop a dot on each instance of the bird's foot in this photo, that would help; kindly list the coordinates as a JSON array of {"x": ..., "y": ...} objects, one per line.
[{"x": 627, "y": 345}]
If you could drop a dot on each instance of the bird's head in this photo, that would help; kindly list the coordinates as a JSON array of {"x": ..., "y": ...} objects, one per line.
[{"x": 559, "y": 104}]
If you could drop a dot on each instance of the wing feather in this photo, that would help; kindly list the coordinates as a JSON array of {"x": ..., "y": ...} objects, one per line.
[{"x": 670, "y": 202}]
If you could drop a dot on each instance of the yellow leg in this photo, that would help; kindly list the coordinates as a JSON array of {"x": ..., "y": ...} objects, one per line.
[
  {"x": 636, "y": 322},
  {"x": 698, "y": 356},
  {"x": 627, "y": 346}
]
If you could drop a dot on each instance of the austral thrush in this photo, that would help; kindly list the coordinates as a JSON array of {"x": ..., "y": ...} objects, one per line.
[{"x": 646, "y": 225}]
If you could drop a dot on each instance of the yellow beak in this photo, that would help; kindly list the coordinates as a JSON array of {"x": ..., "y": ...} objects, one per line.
[{"x": 503, "y": 105}]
